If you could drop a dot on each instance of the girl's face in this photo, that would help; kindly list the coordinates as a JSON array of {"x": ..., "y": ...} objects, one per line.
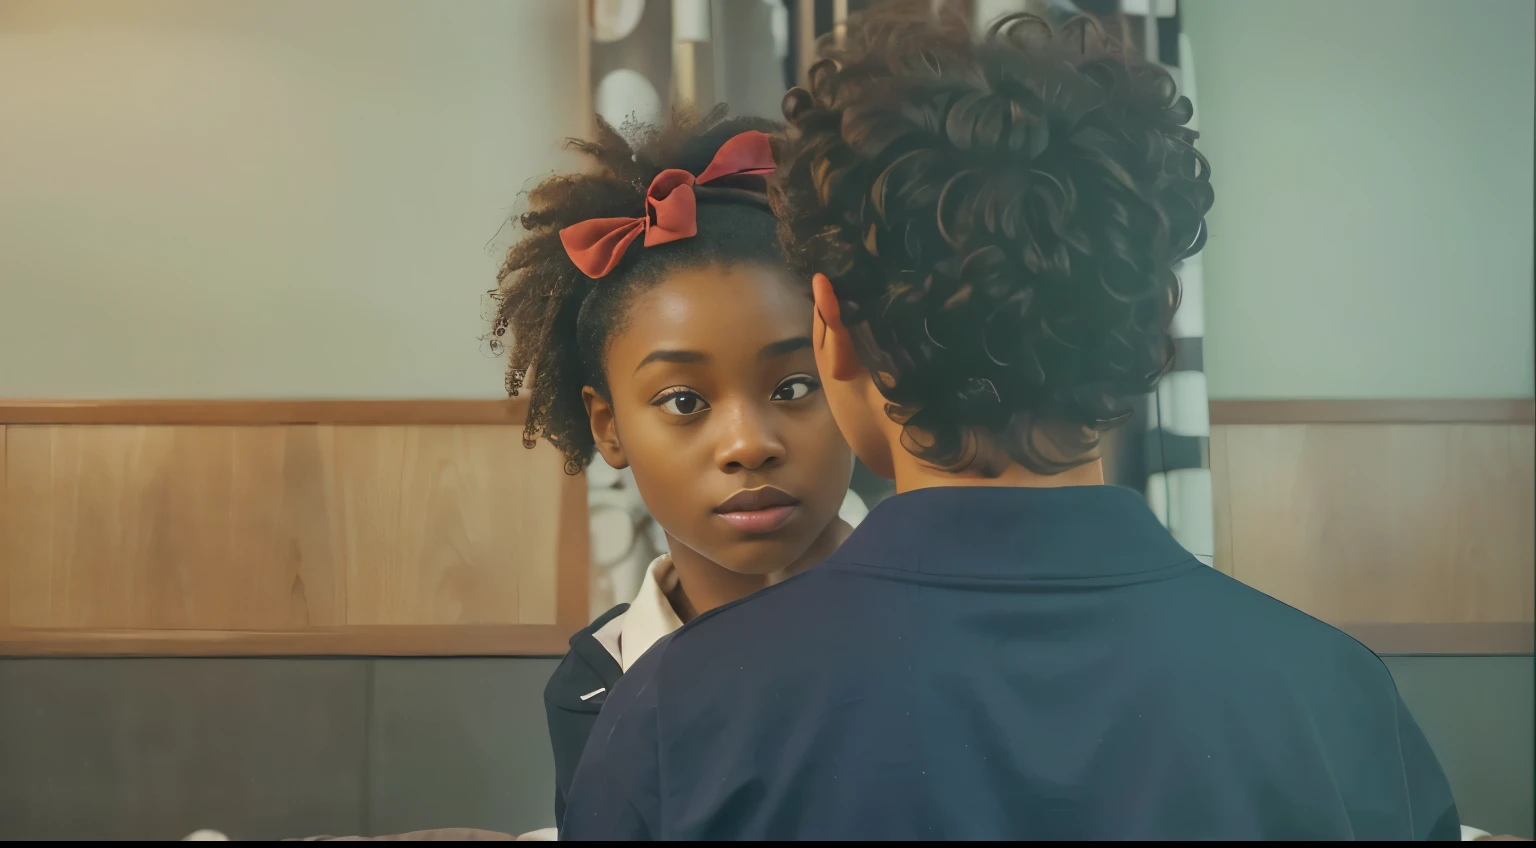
[{"x": 716, "y": 406}]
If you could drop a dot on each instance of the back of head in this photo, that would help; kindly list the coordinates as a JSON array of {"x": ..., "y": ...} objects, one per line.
[{"x": 1000, "y": 219}]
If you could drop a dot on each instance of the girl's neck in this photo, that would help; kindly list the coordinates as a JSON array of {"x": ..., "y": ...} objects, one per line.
[{"x": 703, "y": 584}]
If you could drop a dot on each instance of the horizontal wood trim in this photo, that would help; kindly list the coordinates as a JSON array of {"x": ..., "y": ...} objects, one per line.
[
  {"x": 1505, "y": 637},
  {"x": 456, "y": 640},
  {"x": 513, "y": 410},
  {"x": 260, "y": 412},
  {"x": 550, "y": 641},
  {"x": 1520, "y": 411}
]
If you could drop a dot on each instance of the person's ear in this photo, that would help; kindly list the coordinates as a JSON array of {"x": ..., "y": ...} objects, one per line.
[
  {"x": 605, "y": 429},
  {"x": 835, "y": 356}
]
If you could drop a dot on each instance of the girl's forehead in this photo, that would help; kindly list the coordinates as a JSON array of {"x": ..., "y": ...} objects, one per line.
[{"x": 718, "y": 308}]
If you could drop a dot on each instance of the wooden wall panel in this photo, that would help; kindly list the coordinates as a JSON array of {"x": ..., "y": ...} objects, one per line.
[
  {"x": 442, "y": 525},
  {"x": 163, "y": 528},
  {"x": 1383, "y": 523},
  {"x": 287, "y": 539}
]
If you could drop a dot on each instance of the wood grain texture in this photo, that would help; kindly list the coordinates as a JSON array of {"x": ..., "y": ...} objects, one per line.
[
  {"x": 120, "y": 527},
  {"x": 1420, "y": 524},
  {"x": 248, "y": 412},
  {"x": 574, "y": 559},
  {"x": 287, "y": 539},
  {"x": 1473, "y": 411},
  {"x": 442, "y": 525}
]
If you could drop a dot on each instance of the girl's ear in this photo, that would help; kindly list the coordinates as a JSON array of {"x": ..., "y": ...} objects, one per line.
[{"x": 605, "y": 431}]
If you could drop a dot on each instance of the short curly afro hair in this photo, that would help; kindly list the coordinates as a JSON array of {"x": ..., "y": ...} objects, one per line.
[
  {"x": 1000, "y": 219},
  {"x": 557, "y": 320}
]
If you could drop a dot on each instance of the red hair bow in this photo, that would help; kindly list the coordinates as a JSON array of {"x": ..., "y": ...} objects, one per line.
[{"x": 671, "y": 212}]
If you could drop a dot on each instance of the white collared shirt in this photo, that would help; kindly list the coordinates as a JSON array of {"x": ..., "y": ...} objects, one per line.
[{"x": 650, "y": 616}]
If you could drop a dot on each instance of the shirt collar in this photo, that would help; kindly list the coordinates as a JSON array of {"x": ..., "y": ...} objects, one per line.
[
  {"x": 650, "y": 615},
  {"x": 1069, "y": 533}
]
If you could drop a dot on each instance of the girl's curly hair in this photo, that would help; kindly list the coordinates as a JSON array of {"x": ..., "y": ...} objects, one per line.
[
  {"x": 559, "y": 320},
  {"x": 1000, "y": 219}
]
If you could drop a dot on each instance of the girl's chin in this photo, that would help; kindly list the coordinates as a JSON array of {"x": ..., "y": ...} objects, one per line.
[{"x": 761, "y": 556}]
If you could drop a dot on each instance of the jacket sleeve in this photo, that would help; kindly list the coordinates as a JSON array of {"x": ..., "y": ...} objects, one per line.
[
  {"x": 1429, "y": 792},
  {"x": 616, "y": 791},
  {"x": 568, "y": 729},
  {"x": 572, "y": 698}
]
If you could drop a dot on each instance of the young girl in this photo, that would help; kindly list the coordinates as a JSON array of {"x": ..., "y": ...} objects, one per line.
[{"x": 652, "y": 318}]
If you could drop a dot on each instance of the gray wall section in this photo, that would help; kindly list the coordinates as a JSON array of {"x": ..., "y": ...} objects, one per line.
[
  {"x": 271, "y": 748},
  {"x": 1478, "y": 714},
  {"x": 155, "y": 749},
  {"x": 460, "y": 743}
]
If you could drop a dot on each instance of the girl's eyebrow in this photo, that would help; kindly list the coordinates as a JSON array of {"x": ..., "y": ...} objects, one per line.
[
  {"x": 790, "y": 345},
  {"x": 769, "y": 351},
  {"x": 677, "y": 356}
]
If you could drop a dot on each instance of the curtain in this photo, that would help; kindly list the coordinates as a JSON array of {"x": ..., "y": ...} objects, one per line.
[
  {"x": 1167, "y": 445},
  {"x": 1178, "y": 424}
]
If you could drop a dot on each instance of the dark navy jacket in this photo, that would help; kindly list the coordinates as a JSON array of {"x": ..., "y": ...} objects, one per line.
[
  {"x": 572, "y": 698},
  {"x": 987, "y": 663}
]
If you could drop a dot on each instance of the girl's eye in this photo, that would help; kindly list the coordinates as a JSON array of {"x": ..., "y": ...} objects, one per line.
[
  {"x": 795, "y": 388},
  {"x": 681, "y": 403}
]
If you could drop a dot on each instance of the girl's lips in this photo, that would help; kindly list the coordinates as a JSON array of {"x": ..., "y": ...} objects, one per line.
[
  {"x": 759, "y": 521},
  {"x": 751, "y": 500}
]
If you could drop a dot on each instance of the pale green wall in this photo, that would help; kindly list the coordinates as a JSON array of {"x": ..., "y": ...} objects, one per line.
[
  {"x": 284, "y": 198},
  {"x": 1373, "y": 165}
]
